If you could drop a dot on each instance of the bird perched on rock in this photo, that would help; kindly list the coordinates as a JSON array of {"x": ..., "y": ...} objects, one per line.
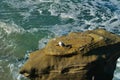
[{"x": 61, "y": 44}]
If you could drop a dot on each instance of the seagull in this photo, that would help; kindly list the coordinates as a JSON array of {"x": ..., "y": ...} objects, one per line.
[{"x": 61, "y": 44}]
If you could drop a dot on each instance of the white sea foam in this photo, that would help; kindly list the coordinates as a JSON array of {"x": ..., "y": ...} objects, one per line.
[
  {"x": 33, "y": 30},
  {"x": 14, "y": 71},
  {"x": 10, "y": 28},
  {"x": 73, "y": 13},
  {"x": 118, "y": 62},
  {"x": 42, "y": 42},
  {"x": 116, "y": 75},
  {"x": 14, "y": 68},
  {"x": 63, "y": 15}
]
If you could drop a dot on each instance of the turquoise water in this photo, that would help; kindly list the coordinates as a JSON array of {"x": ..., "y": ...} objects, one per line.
[{"x": 27, "y": 25}]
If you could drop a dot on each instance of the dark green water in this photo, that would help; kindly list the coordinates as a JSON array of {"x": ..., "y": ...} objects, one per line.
[{"x": 27, "y": 25}]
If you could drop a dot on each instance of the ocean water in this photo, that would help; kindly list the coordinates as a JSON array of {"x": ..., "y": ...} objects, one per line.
[{"x": 27, "y": 25}]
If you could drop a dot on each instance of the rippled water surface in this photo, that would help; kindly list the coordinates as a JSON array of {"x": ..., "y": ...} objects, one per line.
[{"x": 27, "y": 25}]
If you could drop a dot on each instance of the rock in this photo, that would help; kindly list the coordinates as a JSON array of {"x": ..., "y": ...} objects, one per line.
[{"x": 89, "y": 55}]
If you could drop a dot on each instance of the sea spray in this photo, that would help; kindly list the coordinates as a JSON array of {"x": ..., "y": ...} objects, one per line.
[{"x": 117, "y": 71}]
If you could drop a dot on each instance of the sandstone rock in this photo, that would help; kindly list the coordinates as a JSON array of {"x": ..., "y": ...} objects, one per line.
[{"x": 89, "y": 55}]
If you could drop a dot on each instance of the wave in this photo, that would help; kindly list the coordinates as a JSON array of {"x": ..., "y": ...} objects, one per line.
[
  {"x": 15, "y": 42},
  {"x": 88, "y": 14}
]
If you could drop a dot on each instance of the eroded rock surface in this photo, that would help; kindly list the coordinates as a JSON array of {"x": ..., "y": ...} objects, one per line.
[{"x": 89, "y": 55}]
